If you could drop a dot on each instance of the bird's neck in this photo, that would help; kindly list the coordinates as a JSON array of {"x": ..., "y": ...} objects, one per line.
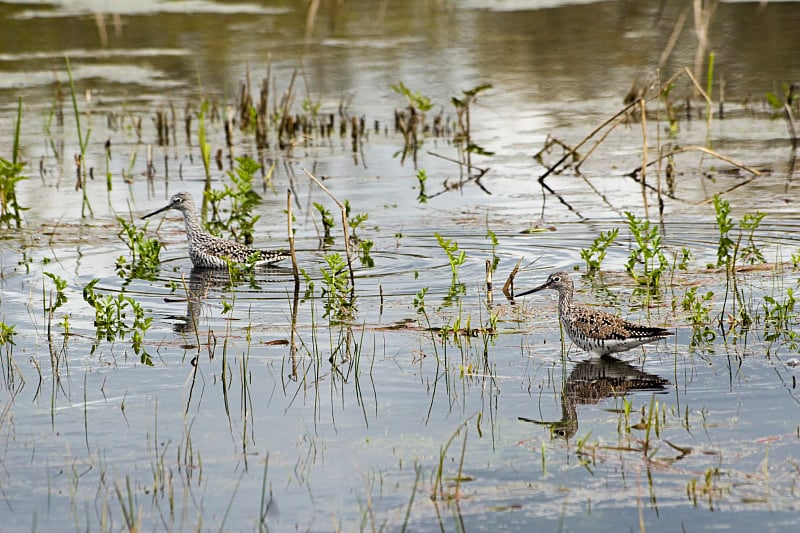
[
  {"x": 565, "y": 300},
  {"x": 193, "y": 227}
]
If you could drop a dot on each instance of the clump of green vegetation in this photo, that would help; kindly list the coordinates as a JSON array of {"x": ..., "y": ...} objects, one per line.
[
  {"x": 492, "y": 236},
  {"x": 144, "y": 261},
  {"x": 594, "y": 255},
  {"x": 455, "y": 257},
  {"x": 327, "y": 222},
  {"x": 408, "y": 121},
  {"x": 698, "y": 306},
  {"x": 419, "y": 300},
  {"x": 10, "y": 175},
  {"x": 243, "y": 199},
  {"x": 111, "y": 318},
  {"x": 422, "y": 177},
  {"x": 648, "y": 252},
  {"x": 751, "y": 252},
  {"x": 779, "y": 315},
  {"x": 728, "y": 250},
  {"x": 463, "y": 133},
  {"x": 355, "y": 221},
  {"x": 722, "y": 210},
  {"x": 415, "y": 99},
  {"x": 8, "y": 367},
  {"x": 61, "y": 297},
  {"x": 365, "y": 247},
  {"x": 339, "y": 300},
  {"x": 7, "y": 336}
]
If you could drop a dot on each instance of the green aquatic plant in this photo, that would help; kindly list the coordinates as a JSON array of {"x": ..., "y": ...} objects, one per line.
[
  {"x": 8, "y": 367},
  {"x": 594, "y": 255},
  {"x": 10, "y": 210},
  {"x": 116, "y": 317},
  {"x": 750, "y": 252},
  {"x": 648, "y": 252},
  {"x": 339, "y": 301},
  {"x": 61, "y": 297},
  {"x": 7, "y": 334},
  {"x": 327, "y": 222},
  {"x": 725, "y": 245},
  {"x": 454, "y": 256},
  {"x": 355, "y": 221},
  {"x": 422, "y": 177},
  {"x": 240, "y": 221},
  {"x": 698, "y": 306},
  {"x": 463, "y": 133},
  {"x": 492, "y": 236},
  {"x": 365, "y": 247},
  {"x": 419, "y": 300},
  {"x": 144, "y": 252},
  {"x": 779, "y": 314},
  {"x": 242, "y": 271},
  {"x": 416, "y": 100},
  {"x": 10, "y": 175}
]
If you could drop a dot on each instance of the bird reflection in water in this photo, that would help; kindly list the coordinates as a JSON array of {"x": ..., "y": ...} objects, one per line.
[
  {"x": 198, "y": 288},
  {"x": 592, "y": 381},
  {"x": 200, "y": 282}
]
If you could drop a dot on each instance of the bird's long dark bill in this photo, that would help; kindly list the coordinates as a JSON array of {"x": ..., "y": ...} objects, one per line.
[
  {"x": 157, "y": 211},
  {"x": 537, "y": 289}
]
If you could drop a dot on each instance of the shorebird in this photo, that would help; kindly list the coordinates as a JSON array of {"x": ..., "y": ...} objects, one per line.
[
  {"x": 208, "y": 251},
  {"x": 598, "y": 332}
]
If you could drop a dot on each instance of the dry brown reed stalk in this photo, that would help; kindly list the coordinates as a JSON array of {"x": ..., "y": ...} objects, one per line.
[
  {"x": 697, "y": 87},
  {"x": 311, "y": 18},
  {"x": 696, "y": 148},
  {"x": 286, "y": 102},
  {"x": 229, "y": 116},
  {"x": 643, "y": 113},
  {"x": 703, "y": 12},
  {"x": 150, "y": 167},
  {"x": 162, "y": 127},
  {"x": 673, "y": 38},
  {"x": 345, "y": 229},
  {"x": 245, "y": 99},
  {"x": 787, "y": 110},
  {"x": 295, "y": 270},
  {"x": 187, "y": 123},
  {"x": 476, "y": 178},
  {"x": 78, "y": 164},
  {"x": 582, "y": 159},
  {"x": 508, "y": 287}
]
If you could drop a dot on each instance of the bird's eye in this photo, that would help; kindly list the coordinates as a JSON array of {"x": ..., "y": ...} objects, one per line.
[{"x": 556, "y": 278}]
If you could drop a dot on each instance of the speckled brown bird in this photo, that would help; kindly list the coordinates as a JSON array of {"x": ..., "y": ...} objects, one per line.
[
  {"x": 598, "y": 332},
  {"x": 208, "y": 251}
]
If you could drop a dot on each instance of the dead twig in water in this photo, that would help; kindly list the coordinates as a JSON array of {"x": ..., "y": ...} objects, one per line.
[
  {"x": 696, "y": 148},
  {"x": 476, "y": 178},
  {"x": 345, "y": 229},
  {"x": 508, "y": 287},
  {"x": 594, "y": 132}
]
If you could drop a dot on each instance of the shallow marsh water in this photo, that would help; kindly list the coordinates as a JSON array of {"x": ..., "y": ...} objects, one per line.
[{"x": 229, "y": 429}]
